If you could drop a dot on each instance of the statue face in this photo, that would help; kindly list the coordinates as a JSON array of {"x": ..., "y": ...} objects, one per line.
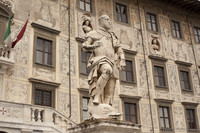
[{"x": 106, "y": 24}]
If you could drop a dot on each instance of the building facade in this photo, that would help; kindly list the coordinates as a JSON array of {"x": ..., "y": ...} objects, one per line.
[{"x": 159, "y": 88}]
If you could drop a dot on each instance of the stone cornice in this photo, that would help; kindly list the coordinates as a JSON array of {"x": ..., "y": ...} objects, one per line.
[
  {"x": 164, "y": 100},
  {"x": 158, "y": 58},
  {"x": 127, "y": 51},
  {"x": 183, "y": 63},
  {"x": 44, "y": 82},
  {"x": 190, "y": 103},
  {"x": 45, "y": 28},
  {"x": 130, "y": 97}
]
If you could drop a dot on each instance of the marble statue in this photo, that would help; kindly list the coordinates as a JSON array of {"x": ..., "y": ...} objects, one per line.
[
  {"x": 107, "y": 57},
  {"x": 87, "y": 27}
]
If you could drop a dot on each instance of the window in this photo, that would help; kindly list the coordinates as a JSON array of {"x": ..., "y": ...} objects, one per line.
[
  {"x": 130, "y": 112},
  {"x": 176, "y": 29},
  {"x": 184, "y": 79},
  {"x": 44, "y": 51},
  {"x": 190, "y": 118},
  {"x": 84, "y": 60},
  {"x": 85, "y": 101},
  {"x": 86, "y": 5},
  {"x": 44, "y": 47},
  {"x": 152, "y": 22},
  {"x": 43, "y": 94},
  {"x": 121, "y": 13},
  {"x": 127, "y": 74},
  {"x": 159, "y": 76},
  {"x": 197, "y": 34},
  {"x": 43, "y": 97},
  {"x": 164, "y": 117}
]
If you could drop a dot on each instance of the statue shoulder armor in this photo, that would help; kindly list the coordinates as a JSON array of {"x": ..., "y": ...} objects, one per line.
[{"x": 93, "y": 34}]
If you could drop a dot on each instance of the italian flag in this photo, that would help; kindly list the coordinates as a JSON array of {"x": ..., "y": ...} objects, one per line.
[
  {"x": 7, "y": 38},
  {"x": 20, "y": 35}
]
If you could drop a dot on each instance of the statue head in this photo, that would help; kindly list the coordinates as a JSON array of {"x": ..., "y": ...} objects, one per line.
[{"x": 104, "y": 22}]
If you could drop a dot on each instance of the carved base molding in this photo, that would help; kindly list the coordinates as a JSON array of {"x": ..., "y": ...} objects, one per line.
[{"x": 105, "y": 126}]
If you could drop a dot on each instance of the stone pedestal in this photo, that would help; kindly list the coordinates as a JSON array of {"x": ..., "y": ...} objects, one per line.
[{"x": 105, "y": 126}]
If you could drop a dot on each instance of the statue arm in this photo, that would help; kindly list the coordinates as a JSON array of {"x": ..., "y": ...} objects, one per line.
[{"x": 88, "y": 44}]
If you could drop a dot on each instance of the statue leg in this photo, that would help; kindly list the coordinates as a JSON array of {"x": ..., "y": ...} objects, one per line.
[
  {"x": 110, "y": 91},
  {"x": 105, "y": 71}
]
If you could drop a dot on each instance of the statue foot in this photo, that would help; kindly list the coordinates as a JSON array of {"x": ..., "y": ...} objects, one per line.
[{"x": 95, "y": 101}]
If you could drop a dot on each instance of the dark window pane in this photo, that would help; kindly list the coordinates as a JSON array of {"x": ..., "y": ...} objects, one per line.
[
  {"x": 85, "y": 101},
  {"x": 39, "y": 44},
  {"x": 123, "y": 75},
  {"x": 43, "y": 97},
  {"x": 129, "y": 76},
  {"x": 130, "y": 112},
  {"x": 121, "y": 13},
  {"x": 151, "y": 22},
  {"x": 164, "y": 117},
  {"x": 48, "y": 46},
  {"x": 39, "y": 57}
]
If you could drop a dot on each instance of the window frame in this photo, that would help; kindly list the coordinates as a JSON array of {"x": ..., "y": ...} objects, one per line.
[
  {"x": 180, "y": 30},
  {"x": 195, "y": 27},
  {"x": 126, "y": 4},
  {"x": 43, "y": 87},
  {"x": 120, "y": 6},
  {"x": 87, "y": 70},
  {"x": 160, "y": 62},
  {"x": 84, "y": 92},
  {"x": 49, "y": 34},
  {"x": 130, "y": 56},
  {"x": 184, "y": 66},
  {"x": 165, "y": 103},
  {"x": 156, "y": 22},
  {"x": 191, "y": 105},
  {"x": 85, "y": 2},
  {"x": 43, "y": 52},
  {"x": 131, "y": 100},
  {"x": 92, "y": 7}
]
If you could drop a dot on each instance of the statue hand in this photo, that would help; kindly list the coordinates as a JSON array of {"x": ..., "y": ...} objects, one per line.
[{"x": 122, "y": 65}]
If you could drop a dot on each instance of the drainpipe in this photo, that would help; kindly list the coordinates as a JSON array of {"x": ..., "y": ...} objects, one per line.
[
  {"x": 145, "y": 63},
  {"x": 69, "y": 52},
  {"x": 192, "y": 43}
]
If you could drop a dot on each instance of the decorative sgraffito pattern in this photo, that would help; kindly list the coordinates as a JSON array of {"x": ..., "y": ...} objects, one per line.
[
  {"x": 142, "y": 74},
  {"x": 64, "y": 57},
  {"x": 176, "y": 97},
  {"x": 129, "y": 89},
  {"x": 18, "y": 72},
  {"x": 46, "y": 12},
  {"x": 181, "y": 50},
  {"x": 24, "y": 7},
  {"x": 162, "y": 94},
  {"x": 146, "y": 117},
  {"x": 178, "y": 118},
  {"x": 195, "y": 82},
  {"x": 173, "y": 78},
  {"x": 22, "y": 47},
  {"x": 44, "y": 74},
  {"x": 63, "y": 103},
  {"x": 17, "y": 92},
  {"x": 64, "y": 80}
]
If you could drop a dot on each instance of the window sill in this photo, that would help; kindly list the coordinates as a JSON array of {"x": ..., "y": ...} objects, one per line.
[
  {"x": 127, "y": 82},
  {"x": 166, "y": 129},
  {"x": 84, "y": 74},
  {"x": 189, "y": 91},
  {"x": 44, "y": 65},
  {"x": 193, "y": 130},
  {"x": 162, "y": 87}
]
